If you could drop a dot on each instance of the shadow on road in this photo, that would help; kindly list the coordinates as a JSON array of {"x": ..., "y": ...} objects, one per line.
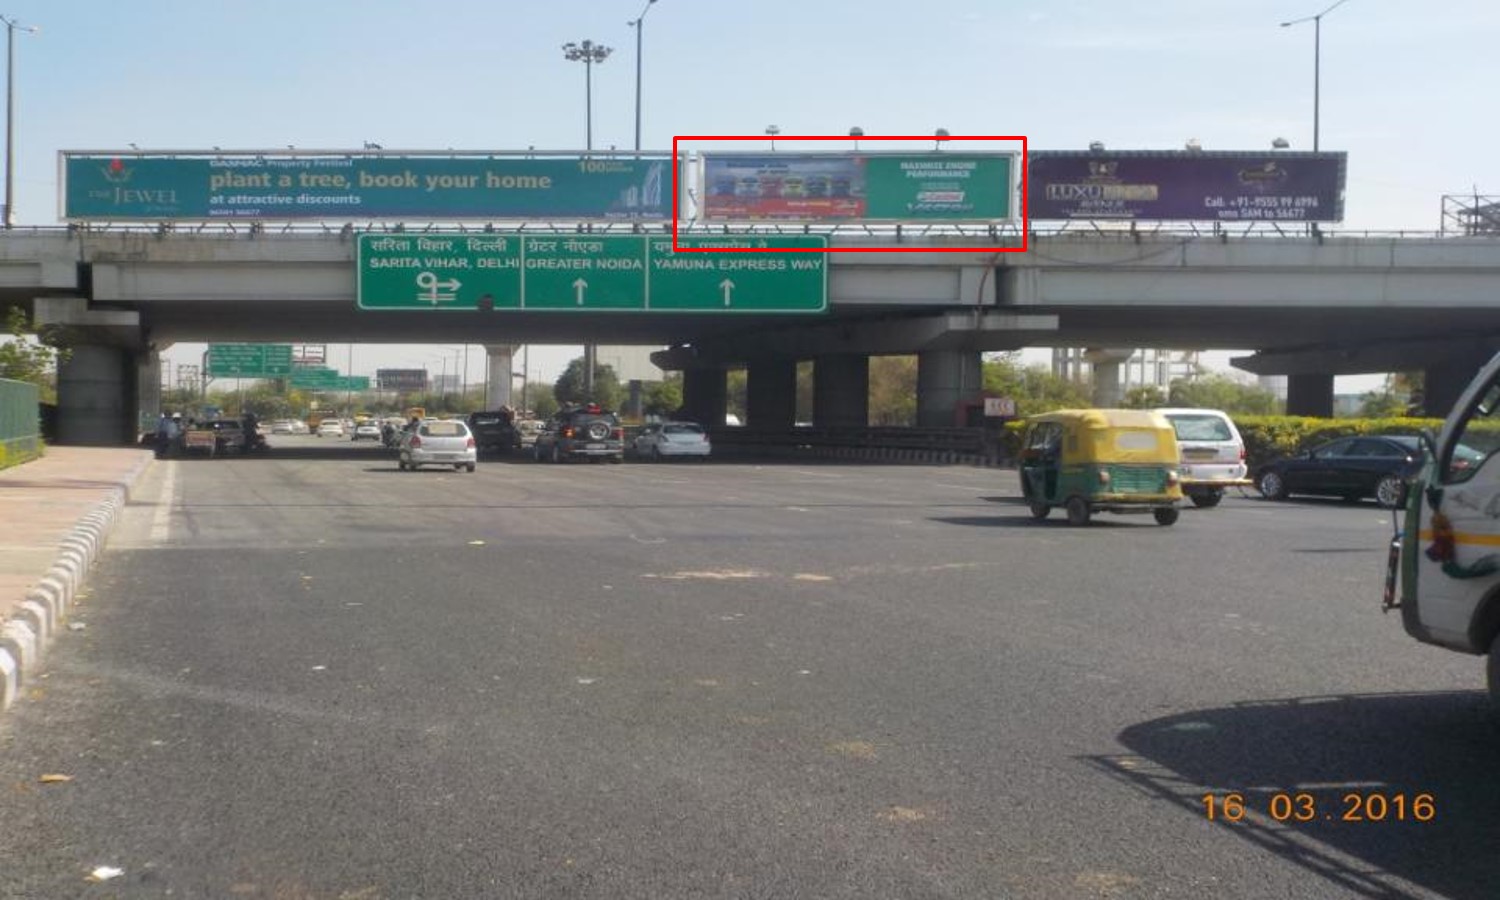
[{"x": 1343, "y": 752}]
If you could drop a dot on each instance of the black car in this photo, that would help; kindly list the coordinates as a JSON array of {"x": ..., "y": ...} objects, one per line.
[
  {"x": 581, "y": 432},
  {"x": 1352, "y": 468},
  {"x": 494, "y": 432}
]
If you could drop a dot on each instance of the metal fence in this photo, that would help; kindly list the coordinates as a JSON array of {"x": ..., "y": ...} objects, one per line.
[{"x": 20, "y": 422}]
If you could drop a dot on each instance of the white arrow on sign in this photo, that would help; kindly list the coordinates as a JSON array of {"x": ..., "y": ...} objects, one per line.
[
  {"x": 437, "y": 291},
  {"x": 579, "y": 288},
  {"x": 727, "y": 287}
]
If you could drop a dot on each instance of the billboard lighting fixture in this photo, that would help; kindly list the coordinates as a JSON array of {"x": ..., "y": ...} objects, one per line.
[
  {"x": 1280, "y": 143},
  {"x": 1096, "y": 146},
  {"x": 939, "y": 136},
  {"x": 1193, "y": 146},
  {"x": 856, "y": 132},
  {"x": 773, "y": 130}
]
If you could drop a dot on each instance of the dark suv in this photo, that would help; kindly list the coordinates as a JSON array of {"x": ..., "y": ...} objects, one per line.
[
  {"x": 494, "y": 432},
  {"x": 587, "y": 432}
]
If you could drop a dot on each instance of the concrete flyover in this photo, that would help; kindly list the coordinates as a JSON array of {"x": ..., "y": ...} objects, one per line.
[{"x": 1310, "y": 307}]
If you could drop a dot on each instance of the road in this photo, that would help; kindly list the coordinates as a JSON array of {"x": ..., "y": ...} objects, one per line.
[{"x": 311, "y": 676}]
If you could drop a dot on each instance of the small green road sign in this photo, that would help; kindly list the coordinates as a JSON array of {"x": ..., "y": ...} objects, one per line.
[
  {"x": 249, "y": 360},
  {"x": 592, "y": 273}
]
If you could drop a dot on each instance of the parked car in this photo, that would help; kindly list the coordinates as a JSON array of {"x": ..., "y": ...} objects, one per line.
[
  {"x": 527, "y": 430},
  {"x": 330, "y": 428},
  {"x": 368, "y": 430},
  {"x": 1213, "y": 453},
  {"x": 438, "y": 442},
  {"x": 1353, "y": 468},
  {"x": 672, "y": 439},
  {"x": 581, "y": 432},
  {"x": 282, "y": 426}
]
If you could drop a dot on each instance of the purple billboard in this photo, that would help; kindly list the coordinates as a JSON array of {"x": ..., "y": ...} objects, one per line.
[{"x": 1171, "y": 185}]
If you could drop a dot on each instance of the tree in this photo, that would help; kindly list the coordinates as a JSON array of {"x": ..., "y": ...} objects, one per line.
[
  {"x": 1222, "y": 392},
  {"x": 1145, "y": 396},
  {"x": 1034, "y": 388},
  {"x": 570, "y": 386},
  {"x": 663, "y": 398},
  {"x": 893, "y": 390},
  {"x": 23, "y": 358},
  {"x": 540, "y": 398},
  {"x": 1381, "y": 404},
  {"x": 736, "y": 393}
]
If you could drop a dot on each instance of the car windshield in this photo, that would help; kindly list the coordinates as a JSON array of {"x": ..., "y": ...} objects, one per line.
[
  {"x": 682, "y": 428},
  {"x": 444, "y": 429},
  {"x": 1200, "y": 427}
]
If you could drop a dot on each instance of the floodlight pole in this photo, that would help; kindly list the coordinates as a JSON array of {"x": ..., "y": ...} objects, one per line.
[{"x": 11, "y": 26}]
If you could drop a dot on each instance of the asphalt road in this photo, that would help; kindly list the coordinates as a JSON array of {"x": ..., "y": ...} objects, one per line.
[{"x": 311, "y": 676}]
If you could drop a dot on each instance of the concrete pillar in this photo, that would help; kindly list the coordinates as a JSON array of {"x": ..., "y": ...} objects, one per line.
[
  {"x": 1309, "y": 395},
  {"x": 1109, "y": 390},
  {"x": 771, "y": 394},
  {"x": 96, "y": 397},
  {"x": 1442, "y": 384},
  {"x": 147, "y": 390},
  {"x": 841, "y": 391},
  {"x": 501, "y": 368},
  {"x": 705, "y": 396},
  {"x": 946, "y": 379}
]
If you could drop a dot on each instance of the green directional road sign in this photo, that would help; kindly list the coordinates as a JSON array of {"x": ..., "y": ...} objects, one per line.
[
  {"x": 592, "y": 273},
  {"x": 249, "y": 360}
]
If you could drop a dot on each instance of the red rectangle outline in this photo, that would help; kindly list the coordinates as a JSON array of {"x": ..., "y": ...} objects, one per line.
[{"x": 1025, "y": 212}]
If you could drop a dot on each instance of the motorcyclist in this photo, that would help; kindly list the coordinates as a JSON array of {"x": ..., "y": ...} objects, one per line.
[{"x": 250, "y": 425}]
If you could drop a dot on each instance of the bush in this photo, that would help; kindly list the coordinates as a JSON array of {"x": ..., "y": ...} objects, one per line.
[{"x": 1269, "y": 438}]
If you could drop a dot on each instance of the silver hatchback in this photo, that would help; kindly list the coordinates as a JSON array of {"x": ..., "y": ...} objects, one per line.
[{"x": 438, "y": 442}]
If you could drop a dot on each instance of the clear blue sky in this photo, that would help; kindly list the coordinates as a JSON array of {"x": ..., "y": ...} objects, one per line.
[{"x": 1406, "y": 87}]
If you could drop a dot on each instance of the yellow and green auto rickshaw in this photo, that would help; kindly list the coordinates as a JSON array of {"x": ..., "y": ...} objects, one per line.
[{"x": 1100, "y": 460}]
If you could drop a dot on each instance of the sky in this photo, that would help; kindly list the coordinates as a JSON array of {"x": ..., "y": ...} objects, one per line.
[{"x": 1405, "y": 88}]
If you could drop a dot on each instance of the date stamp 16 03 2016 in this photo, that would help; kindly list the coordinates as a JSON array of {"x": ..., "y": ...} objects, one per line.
[{"x": 1306, "y": 806}]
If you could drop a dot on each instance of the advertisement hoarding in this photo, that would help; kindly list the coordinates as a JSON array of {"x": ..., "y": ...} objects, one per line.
[
  {"x": 1272, "y": 186},
  {"x": 135, "y": 186},
  {"x": 401, "y": 380},
  {"x": 944, "y": 187}
]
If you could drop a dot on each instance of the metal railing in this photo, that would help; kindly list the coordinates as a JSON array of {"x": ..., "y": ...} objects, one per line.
[
  {"x": 20, "y": 422},
  {"x": 978, "y": 446}
]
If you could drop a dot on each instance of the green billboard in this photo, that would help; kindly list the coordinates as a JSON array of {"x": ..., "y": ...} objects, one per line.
[
  {"x": 592, "y": 273},
  {"x": 136, "y": 186},
  {"x": 885, "y": 187},
  {"x": 249, "y": 360}
]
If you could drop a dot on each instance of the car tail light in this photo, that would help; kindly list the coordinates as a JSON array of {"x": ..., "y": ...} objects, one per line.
[
  {"x": 619, "y": 434},
  {"x": 567, "y": 432},
  {"x": 470, "y": 444},
  {"x": 415, "y": 442},
  {"x": 1242, "y": 454}
]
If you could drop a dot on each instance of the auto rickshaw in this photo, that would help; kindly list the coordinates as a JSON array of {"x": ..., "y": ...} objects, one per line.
[{"x": 1101, "y": 460}]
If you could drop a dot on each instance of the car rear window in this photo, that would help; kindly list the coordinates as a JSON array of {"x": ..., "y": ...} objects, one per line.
[
  {"x": 682, "y": 429},
  {"x": 486, "y": 420},
  {"x": 1201, "y": 428},
  {"x": 444, "y": 429}
]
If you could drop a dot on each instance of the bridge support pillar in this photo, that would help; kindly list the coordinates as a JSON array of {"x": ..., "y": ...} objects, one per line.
[
  {"x": 147, "y": 390},
  {"x": 1442, "y": 384},
  {"x": 945, "y": 380},
  {"x": 96, "y": 397},
  {"x": 501, "y": 369},
  {"x": 1309, "y": 395},
  {"x": 841, "y": 391},
  {"x": 771, "y": 394},
  {"x": 705, "y": 396}
]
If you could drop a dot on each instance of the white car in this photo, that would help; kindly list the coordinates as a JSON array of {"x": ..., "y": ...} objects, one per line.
[
  {"x": 1212, "y": 453},
  {"x": 672, "y": 439},
  {"x": 330, "y": 428},
  {"x": 368, "y": 430},
  {"x": 438, "y": 442},
  {"x": 281, "y": 426}
]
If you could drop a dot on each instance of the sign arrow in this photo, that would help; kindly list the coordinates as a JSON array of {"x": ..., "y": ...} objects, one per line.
[
  {"x": 579, "y": 287},
  {"x": 727, "y": 287}
]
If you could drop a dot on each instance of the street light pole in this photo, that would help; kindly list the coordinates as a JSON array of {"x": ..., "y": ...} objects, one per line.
[
  {"x": 588, "y": 53},
  {"x": 1317, "y": 21},
  {"x": 639, "y": 24},
  {"x": 11, "y": 27}
]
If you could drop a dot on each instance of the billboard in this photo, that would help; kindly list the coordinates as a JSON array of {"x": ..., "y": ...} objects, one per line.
[
  {"x": 1272, "y": 186},
  {"x": 135, "y": 186},
  {"x": 941, "y": 187},
  {"x": 404, "y": 381}
]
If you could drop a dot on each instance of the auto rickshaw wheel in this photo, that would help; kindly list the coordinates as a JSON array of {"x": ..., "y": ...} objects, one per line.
[
  {"x": 1165, "y": 515},
  {"x": 1040, "y": 511},
  {"x": 1078, "y": 511}
]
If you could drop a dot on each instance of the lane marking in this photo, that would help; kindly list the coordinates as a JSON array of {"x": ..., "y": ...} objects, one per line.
[{"x": 161, "y": 520}]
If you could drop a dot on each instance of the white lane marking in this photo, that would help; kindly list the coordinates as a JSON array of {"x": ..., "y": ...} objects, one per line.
[{"x": 161, "y": 521}]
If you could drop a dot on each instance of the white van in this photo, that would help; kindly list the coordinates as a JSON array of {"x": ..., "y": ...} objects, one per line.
[
  {"x": 1213, "y": 453},
  {"x": 1445, "y": 561}
]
